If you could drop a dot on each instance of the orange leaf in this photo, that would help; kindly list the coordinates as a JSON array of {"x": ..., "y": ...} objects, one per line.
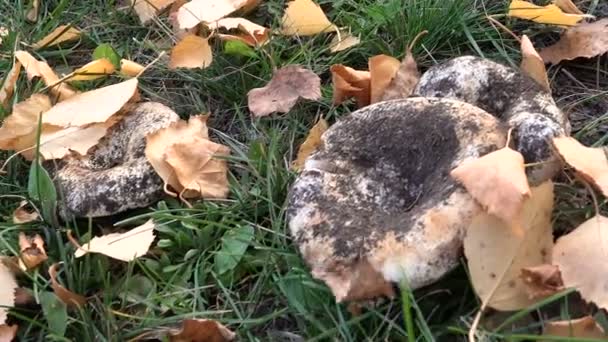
[
  {"x": 70, "y": 298},
  {"x": 348, "y": 82},
  {"x": 35, "y": 68},
  {"x": 9, "y": 83},
  {"x": 305, "y": 18},
  {"x": 405, "y": 80},
  {"x": 191, "y": 52},
  {"x": 31, "y": 251},
  {"x": 532, "y": 65},
  {"x": 590, "y": 163},
  {"x": 382, "y": 69},
  {"x": 23, "y": 214},
  {"x": 61, "y": 34},
  {"x": 202, "y": 330},
  {"x": 311, "y": 144}
]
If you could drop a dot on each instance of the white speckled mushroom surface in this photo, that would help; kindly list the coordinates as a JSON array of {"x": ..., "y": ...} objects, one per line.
[{"x": 375, "y": 204}]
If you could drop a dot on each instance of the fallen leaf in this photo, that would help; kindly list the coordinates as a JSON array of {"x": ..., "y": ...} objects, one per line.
[
  {"x": 198, "y": 169},
  {"x": 567, "y": 6},
  {"x": 404, "y": 81},
  {"x": 198, "y": 11},
  {"x": 92, "y": 106},
  {"x": 70, "y": 298},
  {"x": 348, "y": 82},
  {"x": 191, "y": 52},
  {"x": 6, "y": 91},
  {"x": 62, "y": 34},
  {"x": 343, "y": 40},
  {"x": 91, "y": 71},
  {"x": 148, "y": 9},
  {"x": 582, "y": 257},
  {"x": 32, "y": 13},
  {"x": 585, "y": 327},
  {"x": 31, "y": 251},
  {"x": 36, "y": 68},
  {"x": 201, "y": 330},
  {"x": 497, "y": 181},
  {"x": 305, "y": 18},
  {"x": 24, "y": 296},
  {"x": 130, "y": 68},
  {"x": 8, "y": 332},
  {"x": 532, "y": 65},
  {"x": 122, "y": 246},
  {"x": 311, "y": 144},
  {"x": 23, "y": 214},
  {"x": 8, "y": 284},
  {"x": 287, "y": 85},
  {"x": 496, "y": 254},
  {"x": 550, "y": 14},
  {"x": 585, "y": 40},
  {"x": 382, "y": 70},
  {"x": 18, "y": 130},
  {"x": 590, "y": 163},
  {"x": 542, "y": 281},
  {"x": 253, "y": 34},
  {"x": 56, "y": 144}
]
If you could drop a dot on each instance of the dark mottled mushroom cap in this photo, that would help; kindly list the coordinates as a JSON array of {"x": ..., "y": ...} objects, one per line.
[{"x": 376, "y": 203}]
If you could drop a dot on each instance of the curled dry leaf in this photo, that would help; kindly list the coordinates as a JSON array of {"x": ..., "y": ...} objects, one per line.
[
  {"x": 36, "y": 68},
  {"x": 8, "y": 284},
  {"x": 287, "y": 85},
  {"x": 130, "y": 68},
  {"x": 496, "y": 253},
  {"x": 542, "y": 281},
  {"x": 6, "y": 91},
  {"x": 198, "y": 11},
  {"x": 24, "y": 214},
  {"x": 92, "y": 106},
  {"x": 405, "y": 80},
  {"x": 585, "y": 327},
  {"x": 585, "y": 40},
  {"x": 32, "y": 14},
  {"x": 582, "y": 257},
  {"x": 62, "y": 34},
  {"x": 191, "y": 52},
  {"x": 550, "y": 14},
  {"x": 201, "y": 330},
  {"x": 18, "y": 130},
  {"x": 8, "y": 332},
  {"x": 348, "y": 82},
  {"x": 148, "y": 9},
  {"x": 343, "y": 40},
  {"x": 31, "y": 251},
  {"x": 532, "y": 65},
  {"x": 382, "y": 69},
  {"x": 91, "y": 71},
  {"x": 122, "y": 246},
  {"x": 590, "y": 163},
  {"x": 305, "y": 18},
  {"x": 253, "y": 34},
  {"x": 497, "y": 181},
  {"x": 311, "y": 144},
  {"x": 70, "y": 298},
  {"x": 567, "y": 6}
]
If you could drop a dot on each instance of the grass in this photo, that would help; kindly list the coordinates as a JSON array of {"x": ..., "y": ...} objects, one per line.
[{"x": 268, "y": 294}]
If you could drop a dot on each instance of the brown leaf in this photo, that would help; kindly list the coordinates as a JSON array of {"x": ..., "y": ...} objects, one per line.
[
  {"x": 311, "y": 144},
  {"x": 343, "y": 40},
  {"x": 590, "y": 163},
  {"x": 253, "y": 34},
  {"x": 202, "y": 330},
  {"x": 305, "y": 18},
  {"x": 496, "y": 253},
  {"x": 404, "y": 81},
  {"x": 567, "y": 6},
  {"x": 585, "y": 40},
  {"x": 130, "y": 68},
  {"x": 32, "y": 14},
  {"x": 532, "y": 65},
  {"x": 205, "y": 11},
  {"x": 348, "y": 82},
  {"x": 542, "y": 281},
  {"x": 191, "y": 52},
  {"x": 31, "y": 251},
  {"x": 6, "y": 91},
  {"x": 585, "y": 327},
  {"x": 36, "y": 68},
  {"x": 62, "y": 34},
  {"x": 287, "y": 85},
  {"x": 497, "y": 181},
  {"x": 382, "y": 70},
  {"x": 8, "y": 332},
  {"x": 24, "y": 213},
  {"x": 70, "y": 298},
  {"x": 148, "y": 9},
  {"x": 8, "y": 284},
  {"x": 582, "y": 258}
]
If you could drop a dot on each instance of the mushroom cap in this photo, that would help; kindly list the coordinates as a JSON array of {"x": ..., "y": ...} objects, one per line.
[{"x": 376, "y": 203}]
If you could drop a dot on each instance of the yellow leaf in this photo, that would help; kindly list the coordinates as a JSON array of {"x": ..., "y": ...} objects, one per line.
[
  {"x": 201, "y": 330},
  {"x": 19, "y": 128},
  {"x": 585, "y": 327},
  {"x": 404, "y": 81},
  {"x": 550, "y": 14},
  {"x": 61, "y": 34},
  {"x": 92, "y": 106},
  {"x": 497, "y": 181},
  {"x": 36, "y": 68},
  {"x": 93, "y": 70},
  {"x": 585, "y": 40},
  {"x": 198, "y": 11},
  {"x": 382, "y": 69},
  {"x": 130, "y": 68},
  {"x": 254, "y": 34},
  {"x": 9, "y": 83},
  {"x": 343, "y": 40},
  {"x": 56, "y": 144},
  {"x": 311, "y": 144},
  {"x": 23, "y": 214},
  {"x": 305, "y": 18},
  {"x": 8, "y": 284},
  {"x": 496, "y": 253},
  {"x": 589, "y": 163},
  {"x": 191, "y": 52},
  {"x": 582, "y": 257},
  {"x": 31, "y": 251},
  {"x": 148, "y": 9},
  {"x": 532, "y": 65},
  {"x": 287, "y": 85},
  {"x": 567, "y": 6},
  {"x": 121, "y": 246},
  {"x": 348, "y": 82},
  {"x": 70, "y": 298}
]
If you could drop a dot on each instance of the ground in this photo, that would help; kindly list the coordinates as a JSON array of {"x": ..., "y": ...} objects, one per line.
[{"x": 269, "y": 294}]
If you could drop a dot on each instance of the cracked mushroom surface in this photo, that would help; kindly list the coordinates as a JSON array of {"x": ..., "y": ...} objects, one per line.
[{"x": 376, "y": 203}]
